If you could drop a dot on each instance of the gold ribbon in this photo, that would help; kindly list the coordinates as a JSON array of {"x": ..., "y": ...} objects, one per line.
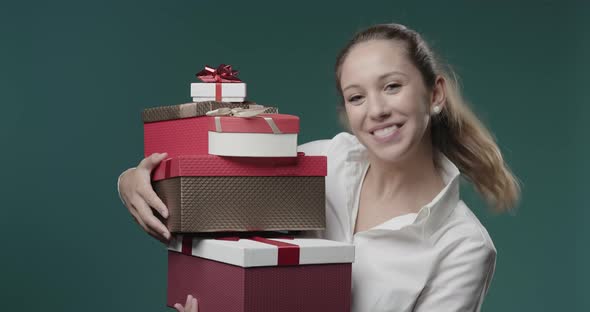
[
  {"x": 237, "y": 112},
  {"x": 243, "y": 113}
]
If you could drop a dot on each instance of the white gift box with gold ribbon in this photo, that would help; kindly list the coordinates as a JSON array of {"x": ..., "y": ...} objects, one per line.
[{"x": 252, "y": 133}]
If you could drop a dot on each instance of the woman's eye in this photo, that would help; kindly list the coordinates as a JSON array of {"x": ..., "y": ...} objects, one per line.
[
  {"x": 355, "y": 98},
  {"x": 392, "y": 86}
]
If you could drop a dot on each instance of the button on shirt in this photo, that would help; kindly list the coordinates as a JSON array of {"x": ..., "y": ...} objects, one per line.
[{"x": 439, "y": 259}]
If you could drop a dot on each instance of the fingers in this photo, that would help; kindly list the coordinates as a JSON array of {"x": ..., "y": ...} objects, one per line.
[
  {"x": 189, "y": 301},
  {"x": 145, "y": 212},
  {"x": 152, "y": 161},
  {"x": 195, "y": 307},
  {"x": 158, "y": 236},
  {"x": 191, "y": 305},
  {"x": 144, "y": 216},
  {"x": 144, "y": 189},
  {"x": 147, "y": 229},
  {"x": 155, "y": 202}
]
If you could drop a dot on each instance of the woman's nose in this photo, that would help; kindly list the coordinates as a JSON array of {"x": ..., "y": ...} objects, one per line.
[{"x": 378, "y": 108}]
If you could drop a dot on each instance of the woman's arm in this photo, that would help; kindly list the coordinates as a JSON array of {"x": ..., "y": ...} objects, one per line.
[{"x": 461, "y": 279}]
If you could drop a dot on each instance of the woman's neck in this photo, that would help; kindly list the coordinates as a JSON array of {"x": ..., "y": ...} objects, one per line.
[{"x": 415, "y": 180}]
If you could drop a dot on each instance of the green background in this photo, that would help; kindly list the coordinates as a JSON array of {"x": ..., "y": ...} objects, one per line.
[{"x": 75, "y": 76}]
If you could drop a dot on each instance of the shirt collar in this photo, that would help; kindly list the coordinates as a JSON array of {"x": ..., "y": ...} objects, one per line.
[
  {"x": 440, "y": 207},
  {"x": 430, "y": 217}
]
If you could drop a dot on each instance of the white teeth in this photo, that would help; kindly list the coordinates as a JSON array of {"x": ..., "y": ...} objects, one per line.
[{"x": 385, "y": 131}]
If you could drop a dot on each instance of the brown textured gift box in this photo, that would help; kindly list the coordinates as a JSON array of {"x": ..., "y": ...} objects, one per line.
[
  {"x": 187, "y": 110},
  {"x": 250, "y": 200}
]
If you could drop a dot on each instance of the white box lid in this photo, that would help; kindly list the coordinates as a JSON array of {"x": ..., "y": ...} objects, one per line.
[{"x": 247, "y": 252}]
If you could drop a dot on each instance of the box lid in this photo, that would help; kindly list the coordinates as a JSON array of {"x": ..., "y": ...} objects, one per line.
[
  {"x": 258, "y": 251},
  {"x": 211, "y": 165},
  {"x": 192, "y": 109},
  {"x": 263, "y": 123}
]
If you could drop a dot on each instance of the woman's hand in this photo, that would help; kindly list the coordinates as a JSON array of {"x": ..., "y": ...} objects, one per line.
[
  {"x": 139, "y": 197},
  {"x": 191, "y": 305}
]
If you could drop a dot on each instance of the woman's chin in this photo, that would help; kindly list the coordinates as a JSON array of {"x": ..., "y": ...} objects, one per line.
[{"x": 392, "y": 152}]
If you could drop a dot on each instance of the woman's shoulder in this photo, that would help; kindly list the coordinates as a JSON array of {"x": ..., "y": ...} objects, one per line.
[
  {"x": 463, "y": 229},
  {"x": 341, "y": 144}
]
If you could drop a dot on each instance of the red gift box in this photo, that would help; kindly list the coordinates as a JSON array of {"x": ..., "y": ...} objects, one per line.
[
  {"x": 182, "y": 129},
  {"x": 261, "y": 275}
]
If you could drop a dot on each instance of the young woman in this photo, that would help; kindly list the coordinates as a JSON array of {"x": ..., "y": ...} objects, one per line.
[{"x": 393, "y": 184}]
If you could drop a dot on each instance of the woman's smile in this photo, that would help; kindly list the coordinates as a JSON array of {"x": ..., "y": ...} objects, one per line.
[{"x": 386, "y": 133}]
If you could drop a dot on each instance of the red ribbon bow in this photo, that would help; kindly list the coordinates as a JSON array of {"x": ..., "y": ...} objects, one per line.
[{"x": 223, "y": 73}]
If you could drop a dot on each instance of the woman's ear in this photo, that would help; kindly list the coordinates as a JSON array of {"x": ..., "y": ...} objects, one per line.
[{"x": 438, "y": 96}]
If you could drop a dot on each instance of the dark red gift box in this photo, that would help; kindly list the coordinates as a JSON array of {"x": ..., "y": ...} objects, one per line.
[{"x": 261, "y": 275}]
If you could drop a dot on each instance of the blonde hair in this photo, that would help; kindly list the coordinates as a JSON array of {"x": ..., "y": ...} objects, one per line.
[{"x": 456, "y": 131}]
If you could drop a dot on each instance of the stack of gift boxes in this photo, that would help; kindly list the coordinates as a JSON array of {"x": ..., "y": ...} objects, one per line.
[{"x": 236, "y": 189}]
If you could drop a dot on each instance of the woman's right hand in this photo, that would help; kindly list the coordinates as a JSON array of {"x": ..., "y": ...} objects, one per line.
[
  {"x": 136, "y": 191},
  {"x": 191, "y": 305}
]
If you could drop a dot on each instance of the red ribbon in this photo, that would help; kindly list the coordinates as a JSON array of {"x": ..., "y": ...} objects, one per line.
[
  {"x": 288, "y": 253},
  {"x": 218, "y": 91},
  {"x": 187, "y": 245},
  {"x": 223, "y": 73}
]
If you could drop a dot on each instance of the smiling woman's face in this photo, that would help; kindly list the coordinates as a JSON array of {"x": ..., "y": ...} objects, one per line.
[{"x": 386, "y": 101}]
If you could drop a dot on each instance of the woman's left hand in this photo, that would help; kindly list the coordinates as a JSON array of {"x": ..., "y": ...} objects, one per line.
[{"x": 191, "y": 305}]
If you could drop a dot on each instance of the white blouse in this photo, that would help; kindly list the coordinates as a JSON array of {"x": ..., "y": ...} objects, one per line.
[{"x": 439, "y": 259}]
